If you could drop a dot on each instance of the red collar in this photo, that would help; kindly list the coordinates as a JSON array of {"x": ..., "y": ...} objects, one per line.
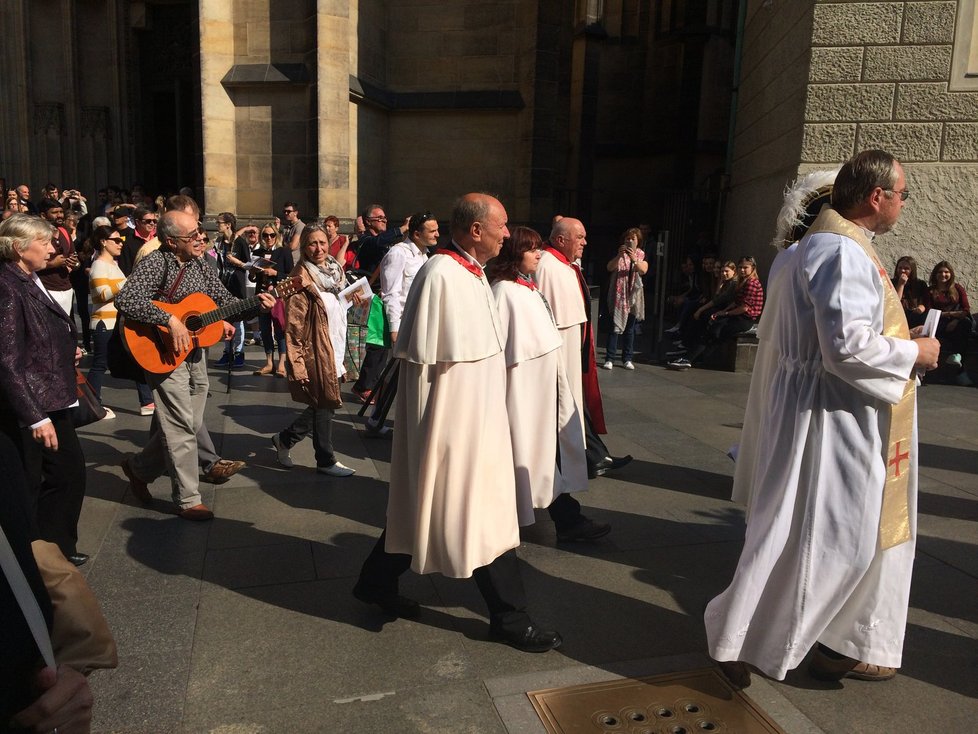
[
  {"x": 557, "y": 254},
  {"x": 463, "y": 261},
  {"x": 526, "y": 283}
]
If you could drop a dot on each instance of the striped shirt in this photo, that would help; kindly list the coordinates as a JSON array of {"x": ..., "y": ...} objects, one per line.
[{"x": 105, "y": 281}]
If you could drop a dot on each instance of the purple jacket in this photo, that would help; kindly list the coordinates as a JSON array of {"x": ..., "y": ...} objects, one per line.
[{"x": 37, "y": 349}]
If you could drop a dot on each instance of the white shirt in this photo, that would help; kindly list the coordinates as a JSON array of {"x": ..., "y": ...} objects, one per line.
[{"x": 397, "y": 270}]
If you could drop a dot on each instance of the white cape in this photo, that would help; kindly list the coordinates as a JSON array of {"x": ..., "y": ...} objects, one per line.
[
  {"x": 812, "y": 468},
  {"x": 452, "y": 501},
  {"x": 542, "y": 413}
]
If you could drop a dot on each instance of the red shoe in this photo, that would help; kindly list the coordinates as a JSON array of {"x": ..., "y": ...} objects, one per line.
[
  {"x": 197, "y": 512},
  {"x": 365, "y": 396}
]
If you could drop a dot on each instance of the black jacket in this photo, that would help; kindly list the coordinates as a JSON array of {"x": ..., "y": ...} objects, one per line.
[{"x": 37, "y": 349}]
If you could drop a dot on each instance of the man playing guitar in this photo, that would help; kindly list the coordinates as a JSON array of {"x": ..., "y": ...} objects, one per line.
[{"x": 170, "y": 274}]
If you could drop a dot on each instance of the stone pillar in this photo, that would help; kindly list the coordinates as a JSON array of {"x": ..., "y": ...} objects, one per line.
[
  {"x": 15, "y": 114},
  {"x": 217, "y": 109},
  {"x": 336, "y": 31}
]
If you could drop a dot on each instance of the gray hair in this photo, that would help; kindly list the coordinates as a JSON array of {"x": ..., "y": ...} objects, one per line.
[
  {"x": 469, "y": 210},
  {"x": 18, "y": 231},
  {"x": 167, "y": 227},
  {"x": 860, "y": 176}
]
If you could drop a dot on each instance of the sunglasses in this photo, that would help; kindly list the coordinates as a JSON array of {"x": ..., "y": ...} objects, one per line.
[
  {"x": 148, "y": 221},
  {"x": 268, "y": 235}
]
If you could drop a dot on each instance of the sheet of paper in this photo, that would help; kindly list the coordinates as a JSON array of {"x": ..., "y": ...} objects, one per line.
[
  {"x": 361, "y": 286},
  {"x": 930, "y": 324}
]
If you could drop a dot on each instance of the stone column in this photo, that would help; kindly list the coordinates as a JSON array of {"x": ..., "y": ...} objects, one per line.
[
  {"x": 217, "y": 109},
  {"x": 15, "y": 112},
  {"x": 335, "y": 31}
]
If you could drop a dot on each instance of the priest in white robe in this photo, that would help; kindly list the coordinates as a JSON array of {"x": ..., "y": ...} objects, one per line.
[
  {"x": 544, "y": 419},
  {"x": 829, "y": 465},
  {"x": 452, "y": 501}
]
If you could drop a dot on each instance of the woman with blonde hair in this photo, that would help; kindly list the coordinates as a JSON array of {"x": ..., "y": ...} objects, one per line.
[
  {"x": 38, "y": 390},
  {"x": 278, "y": 263}
]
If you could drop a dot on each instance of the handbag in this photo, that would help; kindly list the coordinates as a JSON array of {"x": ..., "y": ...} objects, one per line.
[
  {"x": 80, "y": 635},
  {"x": 89, "y": 408},
  {"x": 121, "y": 364}
]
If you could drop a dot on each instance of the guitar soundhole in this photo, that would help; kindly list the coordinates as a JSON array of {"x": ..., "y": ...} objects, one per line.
[{"x": 194, "y": 323}]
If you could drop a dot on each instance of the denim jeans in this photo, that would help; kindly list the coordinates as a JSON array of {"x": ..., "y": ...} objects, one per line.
[{"x": 627, "y": 342}]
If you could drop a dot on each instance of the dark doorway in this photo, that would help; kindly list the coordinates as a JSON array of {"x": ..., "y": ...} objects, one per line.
[{"x": 168, "y": 99}]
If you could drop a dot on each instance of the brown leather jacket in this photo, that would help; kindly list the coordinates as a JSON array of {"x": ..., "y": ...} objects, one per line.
[{"x": 311, "y": 367}]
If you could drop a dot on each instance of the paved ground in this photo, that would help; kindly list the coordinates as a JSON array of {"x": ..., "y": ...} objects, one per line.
[{"x": 246, "y": 624}]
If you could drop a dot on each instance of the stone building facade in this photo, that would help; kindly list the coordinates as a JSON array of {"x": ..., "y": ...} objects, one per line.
[
  {"x": 618, "y": 111},
  {"x": 822, "y": 80}
]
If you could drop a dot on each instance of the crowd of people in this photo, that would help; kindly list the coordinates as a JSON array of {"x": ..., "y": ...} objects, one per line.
[{"x": 489, "y": 334}]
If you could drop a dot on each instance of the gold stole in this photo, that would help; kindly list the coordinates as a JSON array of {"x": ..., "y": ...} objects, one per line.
[{"x": 895, "y": 513}]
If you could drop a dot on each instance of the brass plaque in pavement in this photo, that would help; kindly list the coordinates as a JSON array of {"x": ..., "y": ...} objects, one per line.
[{"x": 692, "y": 702}]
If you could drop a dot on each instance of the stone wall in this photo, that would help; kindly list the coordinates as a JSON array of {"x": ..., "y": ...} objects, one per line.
[
  {"x": 769, "y": 124},
  {"x": 63, "y": 111},
  {"x": 878, "y": 76}
]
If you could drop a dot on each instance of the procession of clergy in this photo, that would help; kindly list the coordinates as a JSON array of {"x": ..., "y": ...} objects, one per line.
[{"x": 827, "y": 464}]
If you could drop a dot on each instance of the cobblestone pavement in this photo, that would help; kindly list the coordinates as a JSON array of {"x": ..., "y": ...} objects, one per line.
[{"x": 246, "y": 624}]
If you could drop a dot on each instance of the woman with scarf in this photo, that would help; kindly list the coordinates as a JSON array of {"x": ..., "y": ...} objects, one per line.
[
  {"x": 315, "y": 337},
  {"x": 626, "y": 297}
]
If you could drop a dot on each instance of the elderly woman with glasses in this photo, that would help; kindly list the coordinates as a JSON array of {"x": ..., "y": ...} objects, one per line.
[
  {"x": 105, "y": 281},
  {"x": 38, "y": 389}
]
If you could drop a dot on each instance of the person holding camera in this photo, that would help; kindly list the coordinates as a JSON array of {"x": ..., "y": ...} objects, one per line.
[{"x": 626, "y": 297}]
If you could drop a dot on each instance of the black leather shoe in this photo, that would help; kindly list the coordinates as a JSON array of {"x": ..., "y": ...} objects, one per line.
[
  {"x": 584, "y": 530},
  {"x": 78, "y": 559},
  {"x": 532, "y": 639},
  {"x": 608, "y": 463},
  {"x": 393, "y": 605}
]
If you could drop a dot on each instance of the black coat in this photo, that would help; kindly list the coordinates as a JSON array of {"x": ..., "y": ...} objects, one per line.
[{"x": 37, "y": 349}]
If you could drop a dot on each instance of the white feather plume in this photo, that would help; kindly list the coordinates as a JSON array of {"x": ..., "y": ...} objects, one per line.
[{"x": 797, "y": 196}]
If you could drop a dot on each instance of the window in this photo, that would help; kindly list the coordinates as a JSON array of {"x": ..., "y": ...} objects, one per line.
[{"x": 964, "y": 61}]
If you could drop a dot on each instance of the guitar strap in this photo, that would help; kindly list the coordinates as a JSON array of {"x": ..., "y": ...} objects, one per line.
[{"x": 168, "y": 296}]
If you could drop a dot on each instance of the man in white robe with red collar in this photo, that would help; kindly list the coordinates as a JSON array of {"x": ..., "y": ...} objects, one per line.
[
  {"x": 829, "y": 468},
  {"x": 561, "y": 282},
  {"x": 452, "y": 501}
]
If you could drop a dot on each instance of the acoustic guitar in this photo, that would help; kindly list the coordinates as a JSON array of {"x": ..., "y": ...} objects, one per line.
[{"x": 150, "y": 344}]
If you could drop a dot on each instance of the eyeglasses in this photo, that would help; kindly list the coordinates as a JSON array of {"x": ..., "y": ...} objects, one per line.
[
  {"x": 148, "y": 221},
  {"x": 268, "y": 235},
  {"x": 189, "y": 237},
  {"x": 904, "y": 195},
  {"x": 376, "y": 219},
  {"x": 288, "y": 211}
]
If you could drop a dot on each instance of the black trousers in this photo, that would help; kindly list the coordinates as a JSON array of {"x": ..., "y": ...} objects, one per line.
[
  {"x": 56, "y": 480},
  {"x": 594, "y": 448},
  {"x": 374, "y": 359},
  {"x": 565, "y": 511},
  {"x": 499, "y": 582},
  {"x": 385, "y": 395}
]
